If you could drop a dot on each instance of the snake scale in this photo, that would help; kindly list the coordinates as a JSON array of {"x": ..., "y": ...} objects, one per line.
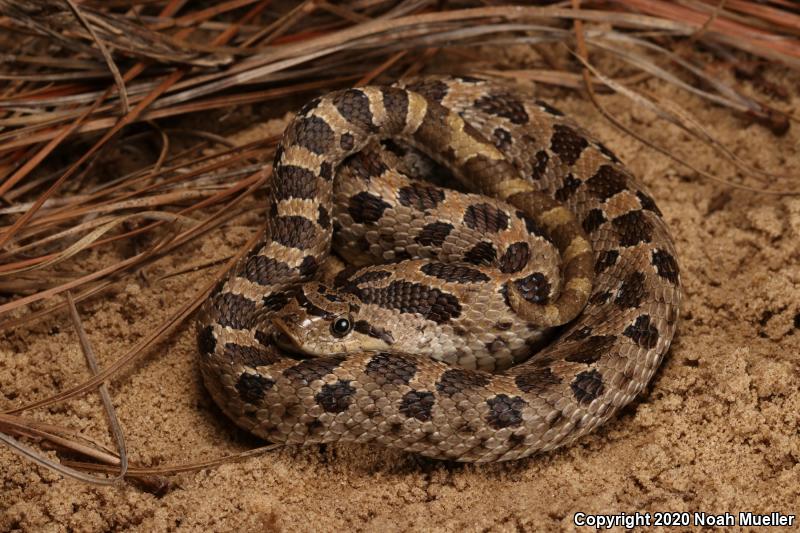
[{"x": 619, "y": 280}]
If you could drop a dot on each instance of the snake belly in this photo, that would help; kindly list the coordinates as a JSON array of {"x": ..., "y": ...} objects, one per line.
[{"x": 598, "y": 363}]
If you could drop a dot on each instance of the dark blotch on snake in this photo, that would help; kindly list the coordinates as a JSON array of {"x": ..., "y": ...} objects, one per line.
[
  {"x": 593, "y": 220},
  {"x": 395, "y": 102},
  {"x": 336, "y": 397},
  {"x": 434, "y": 234},
  {"x": 642, "y": 332},
  {"x": 666, "y": 265},
  {"x": 417, "y": 404},
  {"x": 234, "y": 311},
  {"x": 537, "y": 381},
  {"x": 539, "y": 169},
  {"x": 605, "y": 259},
  {"x": 502, "y": 104},
  {"x": 249, "y": 355},
  {"x": 567, "y": 143},
  {"x": 308, "y": 266},
  {"x": 535, "y": 288},
  {"x": 264, "y": 338},
  {"x": 390, "y": 369},
  {"x": 434, "y": 90},
  {"x": 568, "y": 188},
  {"x": 587, "y": 386},
  {"x": 515, "y": 258},
  {"x": 366, "y": 208},
  {"x": 502, "y": 138},
  {"x": 275, "y": 301},
  {"x": 607, "y": 182},
  {"x": 252, "y": 387},
  {"x": 346, "y": 142},
  {"x": 420, "y": 196},
  {"x": 312, "y": 133},
  {"x": 633, "y": 228},
  {"x": 294, "y": 231},
  {"x": 457, "y": 380},
  {"x": 206, "y": 340},
  {"x": 453, "y": 272},
  {"x": 310, "y": 370},
  {"x": 632, "y": 291},
  {"x": 353, "y": 105},
  {"x": 323, "y": 217},
  {"x": 505, "y": 411},
  {"x": 264, "y": 270},
  {"x": 483, "y": 253},
  {"x": 294, "y": 182},
  {"x": 407, "y": 297},
  {"x": 485, "y": 218},
  {"x": 591, "y": 350},
  {"x": 326, "y": 171}
]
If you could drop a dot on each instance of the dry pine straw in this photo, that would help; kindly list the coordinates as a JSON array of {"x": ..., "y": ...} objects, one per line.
[{"x": 717, "y": 431}]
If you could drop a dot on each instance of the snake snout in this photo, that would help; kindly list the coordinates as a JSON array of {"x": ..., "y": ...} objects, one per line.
[{"x": 284, "y": 336}]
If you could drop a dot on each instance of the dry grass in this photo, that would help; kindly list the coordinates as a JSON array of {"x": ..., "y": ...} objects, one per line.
[{"x": 82, "y": 80}]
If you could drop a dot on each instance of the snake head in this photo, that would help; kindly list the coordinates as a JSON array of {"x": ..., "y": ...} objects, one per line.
[{"x": 321, "y": 321}]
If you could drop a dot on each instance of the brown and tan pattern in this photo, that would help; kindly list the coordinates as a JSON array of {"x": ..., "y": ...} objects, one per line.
[
  {"x": 566, "y": 185},
  {"x": 438, "y": 307}
]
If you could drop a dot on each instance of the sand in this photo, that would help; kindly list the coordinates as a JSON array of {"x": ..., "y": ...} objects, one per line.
[{"x": 717, "y": 430}]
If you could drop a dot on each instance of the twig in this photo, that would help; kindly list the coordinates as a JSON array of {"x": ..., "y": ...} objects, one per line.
[{"x": 88, "y": 353}]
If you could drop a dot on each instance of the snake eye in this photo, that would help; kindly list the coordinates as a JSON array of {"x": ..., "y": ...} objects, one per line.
[{"x": 341, "y": 326}]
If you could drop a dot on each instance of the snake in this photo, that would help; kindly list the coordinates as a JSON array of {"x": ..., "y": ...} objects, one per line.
[{"x": 593, "y": 338}]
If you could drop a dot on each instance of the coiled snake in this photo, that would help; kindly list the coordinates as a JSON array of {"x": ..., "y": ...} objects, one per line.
[{"x": 564, "y": 204}]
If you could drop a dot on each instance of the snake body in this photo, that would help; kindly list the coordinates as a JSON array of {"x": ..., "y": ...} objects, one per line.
[
  {"x": 497, "y": 140},
  {"x": 470, "y": 247}
]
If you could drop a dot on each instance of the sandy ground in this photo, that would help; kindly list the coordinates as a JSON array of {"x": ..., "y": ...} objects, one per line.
[{"x": 716, "y": 432}]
